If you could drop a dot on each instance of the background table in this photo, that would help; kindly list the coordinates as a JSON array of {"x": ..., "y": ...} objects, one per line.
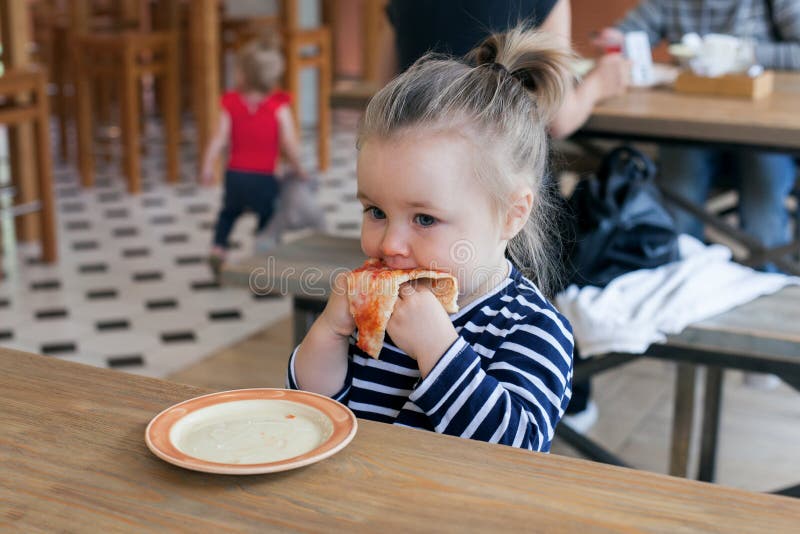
[
  {"x": 74, "y": 459},
  {"x": 662, "y": 115}
]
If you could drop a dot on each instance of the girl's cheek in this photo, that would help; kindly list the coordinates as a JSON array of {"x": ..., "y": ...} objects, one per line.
[{"x": 369, "y": 239}]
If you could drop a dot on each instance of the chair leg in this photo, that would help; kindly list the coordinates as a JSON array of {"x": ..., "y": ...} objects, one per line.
[
  {"x": 682, "y": 419},
  {"x": 711, "y": 414},
  {"x": 45, "y": 173},
  {"x": 83, "y": 122},
  {"x": 170, "y": 111},
  {"x": 130, "y": 121},
  {"x": 324, "y": 105}
]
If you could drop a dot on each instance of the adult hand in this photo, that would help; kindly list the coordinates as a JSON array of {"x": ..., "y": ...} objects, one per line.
[
  {"x": 609, "y": 39},
  {"x": 613, "y": 75},
  {"x": 420, "y": 326}
]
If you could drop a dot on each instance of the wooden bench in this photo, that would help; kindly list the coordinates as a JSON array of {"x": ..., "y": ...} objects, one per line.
[{"x": 760, "y": 336}]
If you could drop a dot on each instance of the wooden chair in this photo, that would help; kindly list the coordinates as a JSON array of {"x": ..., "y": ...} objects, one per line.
[
  {"x": 296, "y": 42},
  {"x": 127, "y": 57},
  {"x": 23, "y": 100}
]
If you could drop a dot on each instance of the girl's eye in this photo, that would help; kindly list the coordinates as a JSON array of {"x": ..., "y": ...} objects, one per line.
[
  {"x": 424, "y": 220},
  {"x": 374, "y": 212}
]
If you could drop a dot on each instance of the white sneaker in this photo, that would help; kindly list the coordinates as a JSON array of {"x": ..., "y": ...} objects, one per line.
[
  {"x": 582, "y": 421},
  {"x": 761, "y": 381}
]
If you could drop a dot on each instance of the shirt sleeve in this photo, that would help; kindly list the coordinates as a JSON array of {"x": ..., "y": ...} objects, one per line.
[
  {"x": 281, "y": 98},
  {"x": 342, "y": 395},
  {"x": 516, "y": 397},
  {"x": 227, "y": 100},
  {"x": 647, "y": 17},
  {"x": 785, "y": 54}
]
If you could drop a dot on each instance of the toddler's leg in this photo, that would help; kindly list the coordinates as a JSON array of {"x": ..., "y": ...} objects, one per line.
[
  {"x": 232, "y": 207},
  {"x": 265, "y": 196}
]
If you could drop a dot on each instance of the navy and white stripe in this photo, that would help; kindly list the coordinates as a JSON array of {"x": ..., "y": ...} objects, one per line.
[
  {"x": 748, "y": 19},
  {"x": 507, "y": 379}
]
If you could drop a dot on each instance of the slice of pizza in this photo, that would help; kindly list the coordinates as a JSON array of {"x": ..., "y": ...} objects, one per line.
[{"x": 373, "y": 290}]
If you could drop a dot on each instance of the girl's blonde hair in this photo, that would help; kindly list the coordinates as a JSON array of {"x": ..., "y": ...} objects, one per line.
[
  {"x": 261, "y": 63},
  {"x": 501, "y": 96}
]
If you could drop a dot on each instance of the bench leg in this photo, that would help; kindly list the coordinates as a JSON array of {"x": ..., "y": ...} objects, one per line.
[
  {"x": 683, "y": 414},
  {"x": 711, "y": 415}
]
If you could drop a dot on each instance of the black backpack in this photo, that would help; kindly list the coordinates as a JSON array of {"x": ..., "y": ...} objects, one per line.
[{"x": 616, "y": 221}]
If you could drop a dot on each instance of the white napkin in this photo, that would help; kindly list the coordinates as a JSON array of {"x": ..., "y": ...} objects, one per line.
[{"x": 642, "y": 307}]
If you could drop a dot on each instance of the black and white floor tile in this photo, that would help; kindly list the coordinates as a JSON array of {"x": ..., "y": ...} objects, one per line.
[{"x": 132, "y": 290}]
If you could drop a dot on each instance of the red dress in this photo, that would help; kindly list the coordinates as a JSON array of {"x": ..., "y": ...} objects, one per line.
[{"x": 255, "y": 143}]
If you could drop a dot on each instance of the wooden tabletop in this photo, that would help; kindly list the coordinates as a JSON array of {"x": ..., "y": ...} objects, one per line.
[
  {"x": 662, "y": 113},
  {"x": 74, "y": 459}
]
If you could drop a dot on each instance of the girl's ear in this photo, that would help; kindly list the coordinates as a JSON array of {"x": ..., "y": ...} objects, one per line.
[{"x": 517, "y": 213}]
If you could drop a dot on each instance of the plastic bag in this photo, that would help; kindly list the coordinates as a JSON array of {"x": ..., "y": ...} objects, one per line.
[{"x": 620, "y": 221}]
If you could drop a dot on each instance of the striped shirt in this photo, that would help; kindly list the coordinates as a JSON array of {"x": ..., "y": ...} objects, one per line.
[
  {"x": 507, "y": 378},
  {"x": 747, "y": 19}
]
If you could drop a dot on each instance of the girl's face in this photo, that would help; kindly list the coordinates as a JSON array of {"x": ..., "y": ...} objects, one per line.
[{"x": 423, "y": 208}]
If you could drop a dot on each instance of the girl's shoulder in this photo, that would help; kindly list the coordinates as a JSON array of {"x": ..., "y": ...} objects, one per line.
[
  {"x": 523, "y": 297},
  {"x": 231, "y": 99},
  {"x": 278, "y": 98}
]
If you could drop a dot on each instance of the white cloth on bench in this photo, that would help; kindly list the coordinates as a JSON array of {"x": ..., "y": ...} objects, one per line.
[{"x": 641, "y": 307}]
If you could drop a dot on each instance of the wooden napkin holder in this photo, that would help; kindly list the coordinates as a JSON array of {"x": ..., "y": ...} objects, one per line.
[{"x": 734, "y": 85}]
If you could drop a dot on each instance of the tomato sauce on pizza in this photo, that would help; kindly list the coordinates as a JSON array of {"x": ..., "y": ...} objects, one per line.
[{"x": 373, "y": 290}]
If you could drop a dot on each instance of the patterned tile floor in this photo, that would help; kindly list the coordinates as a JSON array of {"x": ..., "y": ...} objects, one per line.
[{"x": 131, "y": 289}]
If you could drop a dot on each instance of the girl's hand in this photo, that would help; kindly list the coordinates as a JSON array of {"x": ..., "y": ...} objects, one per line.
[
  {"x": 336, "y": 315},
  {"x": 420, "y": 326},
  {"x": 207, "y": 176}
]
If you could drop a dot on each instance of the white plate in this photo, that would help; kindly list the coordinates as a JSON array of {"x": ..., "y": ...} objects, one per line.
[{"x": 251, "y": 431}]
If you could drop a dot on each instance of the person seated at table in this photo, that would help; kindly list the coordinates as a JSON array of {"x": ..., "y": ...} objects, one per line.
[
  {"x": 770, "y": 33},
  {"x": 450, "y": 171},
  {"x": 257, "y": 122},
  {"x": 456, "y": 26},
  {"x": 771, "y": 38}
]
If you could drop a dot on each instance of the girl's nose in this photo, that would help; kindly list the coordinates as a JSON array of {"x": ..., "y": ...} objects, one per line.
[{"x": 394, "y": 242}]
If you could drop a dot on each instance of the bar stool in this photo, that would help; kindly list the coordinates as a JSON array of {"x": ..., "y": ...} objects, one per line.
[
  {"x": 127, "y": 57},
  {"x": 23, "y": 99}
]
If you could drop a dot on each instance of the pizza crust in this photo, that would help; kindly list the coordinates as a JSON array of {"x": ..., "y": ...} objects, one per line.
[{"x": 373, "y": 290}]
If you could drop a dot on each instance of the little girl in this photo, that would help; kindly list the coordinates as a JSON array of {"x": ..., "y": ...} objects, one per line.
[
  {"x": 452, "y": 156},
  {"x": 257, "y": 120}
]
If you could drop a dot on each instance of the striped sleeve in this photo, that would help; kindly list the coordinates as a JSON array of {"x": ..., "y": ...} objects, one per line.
[
  {"x": 341, "y": 395},
  {"x": 647, "y": 17},
  {"x": 785, "y": 54},
  {"x": 516, "y": 400}
]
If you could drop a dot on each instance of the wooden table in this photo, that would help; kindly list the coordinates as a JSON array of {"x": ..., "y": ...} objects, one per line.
[
  {"x": 662, "y": 115},
  {"x": 74, "y": 459},
  {"x": 761, "y": 335}
]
